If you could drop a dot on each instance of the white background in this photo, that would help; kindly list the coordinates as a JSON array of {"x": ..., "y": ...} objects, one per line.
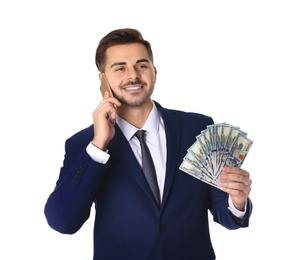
[{"x": 233, "y": 60}]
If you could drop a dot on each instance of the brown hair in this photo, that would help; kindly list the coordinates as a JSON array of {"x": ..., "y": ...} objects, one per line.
[{"x": 119, "y": 37}]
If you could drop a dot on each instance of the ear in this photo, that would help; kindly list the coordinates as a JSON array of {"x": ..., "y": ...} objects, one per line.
[
  {"x": 100, "y": 76},
  {"x": 155, "y": 70}
]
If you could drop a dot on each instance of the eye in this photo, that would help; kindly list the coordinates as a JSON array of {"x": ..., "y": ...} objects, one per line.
[
  {"x": 142, "y": 66},
  {"x": 119, "y": 68}
]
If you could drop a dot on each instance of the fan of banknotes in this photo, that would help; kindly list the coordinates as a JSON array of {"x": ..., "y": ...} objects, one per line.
[{"x": 217, "y": 146}]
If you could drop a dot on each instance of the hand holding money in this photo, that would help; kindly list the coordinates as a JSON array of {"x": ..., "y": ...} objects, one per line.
[
  {"x": 218, "y": 146},
  {"x": 237, "y": 183}
]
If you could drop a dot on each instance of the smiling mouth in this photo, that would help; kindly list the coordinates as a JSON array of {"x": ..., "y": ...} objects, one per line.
[{"x": 132, "y": 88}]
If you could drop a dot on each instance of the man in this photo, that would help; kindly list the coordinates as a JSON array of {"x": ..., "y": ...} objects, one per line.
[{"x": 103, "y": 165}]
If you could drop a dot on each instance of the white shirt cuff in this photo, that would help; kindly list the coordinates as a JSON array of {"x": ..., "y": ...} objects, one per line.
[
  {"x": 96, "y": 154},
  {"x": 235, "y": 211}
]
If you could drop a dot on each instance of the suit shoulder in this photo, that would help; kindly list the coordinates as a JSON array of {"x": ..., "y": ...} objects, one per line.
[
  {"x": 186, "y": 116},
  {"x": 191, "y": 117},
  {"x": 83, "y": 136}
]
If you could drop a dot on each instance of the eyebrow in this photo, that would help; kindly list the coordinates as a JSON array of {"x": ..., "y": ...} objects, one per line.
[{"x": 124, "y": 63}]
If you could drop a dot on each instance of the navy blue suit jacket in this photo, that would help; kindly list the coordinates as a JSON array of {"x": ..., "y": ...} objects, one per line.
[{"x": 128, "y": 223}]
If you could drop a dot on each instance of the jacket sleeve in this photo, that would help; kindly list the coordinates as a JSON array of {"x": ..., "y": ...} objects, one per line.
[
  {"x": 244, "y": 221},
  {"x": 221, "y": 213},
  {"x": 69, "y": 205}
]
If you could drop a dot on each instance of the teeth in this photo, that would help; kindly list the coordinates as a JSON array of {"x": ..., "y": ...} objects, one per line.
[{"x": 132, "y": 88}]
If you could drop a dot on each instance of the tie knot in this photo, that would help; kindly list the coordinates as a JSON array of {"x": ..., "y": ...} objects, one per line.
[{"x": 140, "y": 135}]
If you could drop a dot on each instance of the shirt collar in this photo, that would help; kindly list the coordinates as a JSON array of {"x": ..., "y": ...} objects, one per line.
[{"x": 151, "y": 124}]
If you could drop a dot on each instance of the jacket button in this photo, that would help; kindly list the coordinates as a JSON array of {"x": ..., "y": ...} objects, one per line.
[{"x": 162, "y": 226}]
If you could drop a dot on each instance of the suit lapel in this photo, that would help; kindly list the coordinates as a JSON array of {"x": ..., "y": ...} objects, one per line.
[
  {"x": 172, "y": 129},
  {"x": 119, "y": 147}
]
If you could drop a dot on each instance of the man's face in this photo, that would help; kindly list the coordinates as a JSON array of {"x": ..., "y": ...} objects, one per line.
[{"x": 130, "y": 73}]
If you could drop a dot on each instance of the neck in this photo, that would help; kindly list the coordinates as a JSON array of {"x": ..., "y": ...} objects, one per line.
[{"x": 136, "y": 116}]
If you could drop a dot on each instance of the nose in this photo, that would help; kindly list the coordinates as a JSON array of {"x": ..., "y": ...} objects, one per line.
[{"x": 133, "y": 74}]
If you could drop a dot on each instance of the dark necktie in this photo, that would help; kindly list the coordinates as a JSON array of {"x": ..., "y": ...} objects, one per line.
[{"x": 148, "y": 166}]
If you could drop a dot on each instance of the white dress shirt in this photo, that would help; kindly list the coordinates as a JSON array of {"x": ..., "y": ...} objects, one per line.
[{"x": 156, "y": 142}]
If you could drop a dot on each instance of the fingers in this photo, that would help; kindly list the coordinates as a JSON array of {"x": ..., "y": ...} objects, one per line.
[
  {"x": 106, "y": 94},
  {"x": 105, "y": 113},
  {"x": 107, "y": 107},
  {"x": 235, "y": 174},
  {"x": 111, "y": 99},
  {"x": 104, "y": 117},
  {"x": 236, "y": 182}
]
